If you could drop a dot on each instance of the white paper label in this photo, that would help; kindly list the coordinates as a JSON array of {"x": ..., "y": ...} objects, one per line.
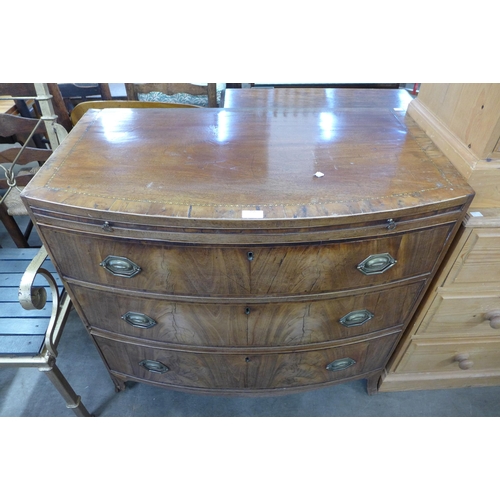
[
  {"x": 476, "y": 214},
  {"x": 252, "y": 214}
]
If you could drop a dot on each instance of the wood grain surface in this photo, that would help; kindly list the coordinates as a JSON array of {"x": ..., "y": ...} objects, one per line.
[{"x": 206, "y": 166}]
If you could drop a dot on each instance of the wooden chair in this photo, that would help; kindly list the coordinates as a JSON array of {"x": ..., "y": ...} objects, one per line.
[
  {"x": 76, "y": 93},
  {"x": 17, "y": 128},
  {"x": 33, "y": 311},
  {"x": 27, "y": 101},
  {"x": 80, "y": 109},
  {"x": 169, "y": 89}
]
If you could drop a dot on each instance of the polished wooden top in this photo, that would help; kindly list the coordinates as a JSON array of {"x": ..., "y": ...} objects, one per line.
[
  {"x": 210, "y": 166},
  {"x": 293, "y": 98}
]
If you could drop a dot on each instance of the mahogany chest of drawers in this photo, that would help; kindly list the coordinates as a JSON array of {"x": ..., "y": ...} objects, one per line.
[{"x": 246, "y": 251}]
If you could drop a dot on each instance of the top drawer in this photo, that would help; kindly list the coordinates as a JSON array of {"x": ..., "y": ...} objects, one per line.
[
  {"x": 479, "y": 259},
  {"x": 245, "y": 271}
]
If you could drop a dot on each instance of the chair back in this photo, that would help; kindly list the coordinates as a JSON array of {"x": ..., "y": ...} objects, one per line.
[
  {"x": 20, "y": 129},
  {"x": 82, "y": 108},
  {"x": 76, "y": 93},
  {"x": 26, "y": 98},
  {"x": 169, "y": 89},
  {"x": 21, "y": 149}
]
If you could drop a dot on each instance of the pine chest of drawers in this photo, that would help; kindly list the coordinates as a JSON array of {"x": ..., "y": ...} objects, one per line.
[
  {"x": 453, "y": 340},
  {"x": 246, "y": 251}
]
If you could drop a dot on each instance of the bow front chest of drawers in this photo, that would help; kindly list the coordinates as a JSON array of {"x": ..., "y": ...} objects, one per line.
[{"x": 246, "y": 251}]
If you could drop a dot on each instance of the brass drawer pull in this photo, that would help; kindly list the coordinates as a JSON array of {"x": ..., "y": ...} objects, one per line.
[
  {"x": 376, "y": 264},
  {"x": 494, "y": 318},
  {"x": 120, "y": 266},
  {"x": 464, "y": 363},
  {"x": 138, "y": 320},
  {"x": 340, "y": 364},
  {"x": 356, "y": 318},
  {"x": 154, "y": 366}
]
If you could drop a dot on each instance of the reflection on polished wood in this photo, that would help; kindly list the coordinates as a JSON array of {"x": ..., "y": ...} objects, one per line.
[
  {"x": 208, "y": 165},
  {"x": 325, "y": 99}
]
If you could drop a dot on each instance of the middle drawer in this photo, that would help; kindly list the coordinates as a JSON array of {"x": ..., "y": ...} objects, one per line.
[{"x": 253, "y": 324}]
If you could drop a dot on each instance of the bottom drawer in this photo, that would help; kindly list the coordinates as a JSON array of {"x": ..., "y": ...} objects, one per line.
[
  {"x": 242, "y": 372},
  {"x": 441, "y": 356}
]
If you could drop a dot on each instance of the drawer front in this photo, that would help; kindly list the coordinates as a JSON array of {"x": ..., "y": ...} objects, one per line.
[
  {"x": 312, "y": 322},
  {"x": 254, "y": 324},
  {"x": 237, "y": 271},
  {"x": 245, "y": 371},
  {"x": 453, "y": 314},
  {"x": 479, "y": 260},
  {"x": 175, "y": 270},
  {"x": 332, "y": 267},
  {"x": 441, "y": 356}
]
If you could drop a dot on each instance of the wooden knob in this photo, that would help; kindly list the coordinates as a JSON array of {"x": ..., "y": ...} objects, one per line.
[
  {"x": 494, "y": 318},
  {"x": 464, "y": 363}
]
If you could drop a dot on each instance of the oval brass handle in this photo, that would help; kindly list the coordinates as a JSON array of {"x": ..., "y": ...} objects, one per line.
[
  {"x": 120, "y": 266},
  {"x": 464, "y": 363},
  {"x": 356, "y": 318},
  {"x": 340, "y": 364},
  {"x": 376, "y": 264},
  {"x": 154, "y": 366},
  {"x": 494, "y": 318},
  {"x": 139, "y": 320}
]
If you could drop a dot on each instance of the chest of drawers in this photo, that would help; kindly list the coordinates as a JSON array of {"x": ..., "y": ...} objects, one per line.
[
  {"x": 246, "y": 251},
  {"x": 453, "y": 339}
]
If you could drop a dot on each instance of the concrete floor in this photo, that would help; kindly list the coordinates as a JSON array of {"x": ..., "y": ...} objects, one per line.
[{"x": 28, "y": 393}]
